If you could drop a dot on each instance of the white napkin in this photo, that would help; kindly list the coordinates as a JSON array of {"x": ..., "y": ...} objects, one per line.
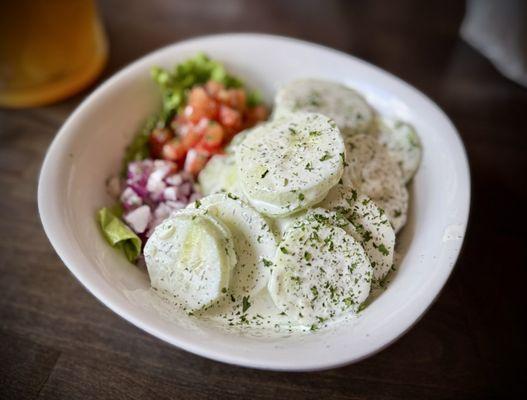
[{"x": 497, "y": 28}]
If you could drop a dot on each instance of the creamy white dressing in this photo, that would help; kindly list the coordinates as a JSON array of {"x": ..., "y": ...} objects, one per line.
[
  {"x": 290, "y": 164},
  {"x": 372, "y": 171},
  {"x": 280, "y": 265},
  {"x": 342, "y": 104},
  {"x": 367, "y": 223},
  {"x": 402, "y": 142},
  {"x": 220, "y": 175}
]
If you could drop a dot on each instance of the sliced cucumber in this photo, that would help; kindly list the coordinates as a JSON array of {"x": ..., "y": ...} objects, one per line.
[
  {"x": 320, "y": 272},
  {"x": 254, "y": 242},
  {"x": 236, "y": 140},
  {"x": 288, "y": 165},
  {"x": 281, "y": 224},
  {"x": 372, "y": 171},
  {"x": 402, "y": 143},
  {"x": 340, "y": 103},
  {"x": 190, "y": 256},
  {"x": 369, "y": 225},
  {"x": 220, "y": 175}
]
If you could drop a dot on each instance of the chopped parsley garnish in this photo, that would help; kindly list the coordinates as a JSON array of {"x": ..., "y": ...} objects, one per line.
[
  {"x": 301, "y": 196},
  {"x": 320, "y": 218},
  {"x": 198, "y": 204},
  {"x": 343, "y": 159},
  {"x": 245, "y": 303},
  {"x": 266, "y": 262},
  {"x": 284, "y": 250},
  {"x": 352, "y": 267},
  {"x": 348, "y": 301},
  {"x": 382, "y": 248},
  {"x": 366, "y": 236},
  {"x": 325, "y": 157}
]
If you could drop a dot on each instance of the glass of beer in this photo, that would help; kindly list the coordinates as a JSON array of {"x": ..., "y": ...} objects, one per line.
[{"x": 49, "y": 50}]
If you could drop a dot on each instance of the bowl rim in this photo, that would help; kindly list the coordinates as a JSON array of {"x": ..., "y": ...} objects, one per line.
[{"x": 53, "y": 228}]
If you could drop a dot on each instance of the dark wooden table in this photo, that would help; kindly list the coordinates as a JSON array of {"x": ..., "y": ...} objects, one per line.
[{"x": 58, "y": 341}]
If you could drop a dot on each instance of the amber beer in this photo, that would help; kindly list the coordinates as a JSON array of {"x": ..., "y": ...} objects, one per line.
[{"x": 49, "y": 49}]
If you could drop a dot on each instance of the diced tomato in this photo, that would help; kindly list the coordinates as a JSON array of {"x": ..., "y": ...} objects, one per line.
[
  {"x": 222, "y": 96},
  {"x": 178, "y": 122},
  {"x": 213, "y": 136},
  {"x": 212, "y": 116},
  {"x": 157, "y": 139},
  {"x": 200, "y": 105},
  {"x": 230, "y": 118},
  {"x": 192, "y": 136},
  {"x": 255, "y": 115},
  {"x": 236, "y": 99},
  {"x": 213, "y": 88},
  {"x": 195, "y": 161},
  {"x": 174, "y": 150},
  {"x": 207, "y": 150},
  {"x": 216, "y": 150}
]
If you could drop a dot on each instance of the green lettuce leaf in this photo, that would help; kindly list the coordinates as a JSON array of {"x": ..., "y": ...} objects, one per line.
[{"x": 118, "y": 234}]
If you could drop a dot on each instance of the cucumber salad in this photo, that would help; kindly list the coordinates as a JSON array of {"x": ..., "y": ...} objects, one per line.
[{"x": 286, "y": 222}]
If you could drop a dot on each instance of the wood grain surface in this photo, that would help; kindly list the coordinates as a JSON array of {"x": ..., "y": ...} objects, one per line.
[{"x": 58, "y": 342}]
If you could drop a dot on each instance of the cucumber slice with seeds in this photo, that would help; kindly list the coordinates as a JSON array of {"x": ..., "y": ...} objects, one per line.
[
  {"x": 403, "y": 144},
  {"x": 342, "y": 104},
  {"x": 320, "y": 272},
  {"x": 220, "y": 175},
  {"x": 254, "y": 242},
  {"x": 369, "y": 225},
  {"x": 190, "y": 256},
  {"x": 372, "y": 171},
  {"x": 288, "y": 165}
]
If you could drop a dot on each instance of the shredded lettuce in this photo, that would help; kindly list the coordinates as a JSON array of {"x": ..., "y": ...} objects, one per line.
[{"x": 117, "y": 233}]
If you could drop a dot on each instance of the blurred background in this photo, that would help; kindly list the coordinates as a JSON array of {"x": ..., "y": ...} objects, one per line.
[{"x": 57, "y": 341}]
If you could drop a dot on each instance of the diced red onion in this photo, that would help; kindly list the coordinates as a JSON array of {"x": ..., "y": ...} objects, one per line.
[
  {"x": 154, "y": 187},
  {"x": 194, "y": 196},
  {"x": 185, "y": 189},
  {"x": 130, "y": 199},
  {"x": 174, "y": 180},
  {"x": 139, "y": 218},
  {"x": 170, "y": 193},
  {"x": 175, "y": 205}
]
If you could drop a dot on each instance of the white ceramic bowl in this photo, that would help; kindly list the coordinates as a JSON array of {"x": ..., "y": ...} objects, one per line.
[{"x": 89, "y": 146}]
